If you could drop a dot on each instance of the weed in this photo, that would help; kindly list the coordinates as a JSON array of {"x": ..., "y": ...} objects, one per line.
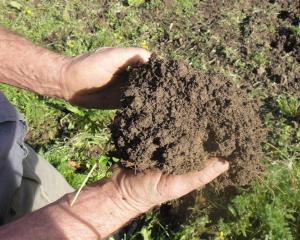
[
  {"x": 135, "y": 2},
  {"x": 296, "y": 30},
  {"x": 259, "y": 58},
  {"x": 289, "y": 106}
]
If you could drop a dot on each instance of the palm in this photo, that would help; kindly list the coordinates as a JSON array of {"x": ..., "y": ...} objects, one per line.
[
  {"x": 95, "y": 79},
  {"x": 147, "y": 189}
]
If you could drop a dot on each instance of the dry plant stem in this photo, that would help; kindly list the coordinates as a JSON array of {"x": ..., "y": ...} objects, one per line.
[{"x": 83, "y": 184}]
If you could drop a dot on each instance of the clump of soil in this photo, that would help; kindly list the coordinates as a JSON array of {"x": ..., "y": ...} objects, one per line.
[{"x": 173, "y": 118}]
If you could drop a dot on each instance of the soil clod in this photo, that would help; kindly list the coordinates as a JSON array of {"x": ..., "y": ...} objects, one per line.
[{"x": 174, "y": 118}]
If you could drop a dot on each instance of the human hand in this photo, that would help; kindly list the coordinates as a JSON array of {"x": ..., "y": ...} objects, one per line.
[
  {"x": 115, "y": 201},
  {"x": 147, "y": 189},
  {"x": 104, "y": 207},
  {"x": 95, "y": 79}
]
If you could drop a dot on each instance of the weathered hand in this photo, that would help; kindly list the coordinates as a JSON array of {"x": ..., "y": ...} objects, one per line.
[
  {"x": 137, "y": 193},
  {"x": 116, "y": 200},
  {"x": 104, "y": 207},
  {"x": 144, "y": 190},
  {"x": 95, "y": 79}
]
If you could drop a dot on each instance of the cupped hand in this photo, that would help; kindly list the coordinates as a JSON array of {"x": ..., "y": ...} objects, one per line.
[
  {"x": 126, "y": 194},
  {"x": 104, "y": 207},
  {"x": 95, "y": 79},
  {"x": 144, "y": 190}
]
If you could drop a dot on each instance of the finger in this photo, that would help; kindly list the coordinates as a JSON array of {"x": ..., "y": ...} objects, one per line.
[
  {"x": 142, "y": 55},
  {"x": 124, "y": 57},
  {"x": 172, "y": 186},
  {"x": 102, "y": 49}
]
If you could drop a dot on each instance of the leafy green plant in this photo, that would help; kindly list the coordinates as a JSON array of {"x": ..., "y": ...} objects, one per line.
[
  {"x": 153, "y": 229},
  {"x": 193, "y": 229},
  {"x": 296, "y": 30},
  {"x": 289, "y": 105},
  {"x": 135, "y": 2},
  {"x": 266, "y": 211},
  {"x": 186, "y": 6},
  {"x": 259, "y": 58}
]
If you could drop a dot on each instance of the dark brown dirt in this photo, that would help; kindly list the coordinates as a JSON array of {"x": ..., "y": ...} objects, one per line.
[
  {"x": 174, "y": 118},
  {"x": 254, "y": 41}
]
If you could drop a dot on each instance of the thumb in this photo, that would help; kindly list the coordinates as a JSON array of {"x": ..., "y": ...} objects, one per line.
[
  {"x": 174, "y": 186},
  {"x": 123, "y": 57}
]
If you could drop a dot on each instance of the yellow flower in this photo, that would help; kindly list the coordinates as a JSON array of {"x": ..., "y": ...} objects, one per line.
[
  {"x": 221, "y": 235},
  {"x": 28, "y": 11},
  {"x": 70, "y": 44},
  {"x": 144, "y": 45}
]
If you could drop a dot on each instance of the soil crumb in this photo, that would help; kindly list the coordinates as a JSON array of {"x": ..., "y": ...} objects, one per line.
[{"x": 174, "y": 118}]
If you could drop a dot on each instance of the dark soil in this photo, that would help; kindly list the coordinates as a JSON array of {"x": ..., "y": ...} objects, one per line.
[
  {"x": 255, "y": 41},
  {"x": 173, "y": 118}
]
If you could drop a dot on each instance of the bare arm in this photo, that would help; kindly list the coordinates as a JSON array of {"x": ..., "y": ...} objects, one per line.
[
  {"x": 97, "y": 213},
  {"x": 25, "y": 65},
  {"x": 104, "y": 207},
  {"x": 89, "y": 80}
]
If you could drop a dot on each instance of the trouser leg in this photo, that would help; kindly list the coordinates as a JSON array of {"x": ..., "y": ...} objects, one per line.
[{"x": 41, "y": 184}]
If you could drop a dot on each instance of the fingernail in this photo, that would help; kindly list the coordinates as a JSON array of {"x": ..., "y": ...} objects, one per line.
[
  {"x": 147, "y": 56},
  {"x": 221, "y": 165}
]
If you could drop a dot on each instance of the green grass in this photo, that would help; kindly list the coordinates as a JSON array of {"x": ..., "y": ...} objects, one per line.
[
  {"x": 296, "y": 30},
  {"x": 73, "y": 139},
  {"x": 289, "y": 106}
]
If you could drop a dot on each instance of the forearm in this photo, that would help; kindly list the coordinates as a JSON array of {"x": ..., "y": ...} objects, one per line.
[
  {"x": 25, "y": 65},
  {"x": 97, "y": 213}
]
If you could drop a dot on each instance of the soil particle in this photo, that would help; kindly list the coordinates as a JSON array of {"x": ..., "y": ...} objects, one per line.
[{"x": 173, "y": 118}]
